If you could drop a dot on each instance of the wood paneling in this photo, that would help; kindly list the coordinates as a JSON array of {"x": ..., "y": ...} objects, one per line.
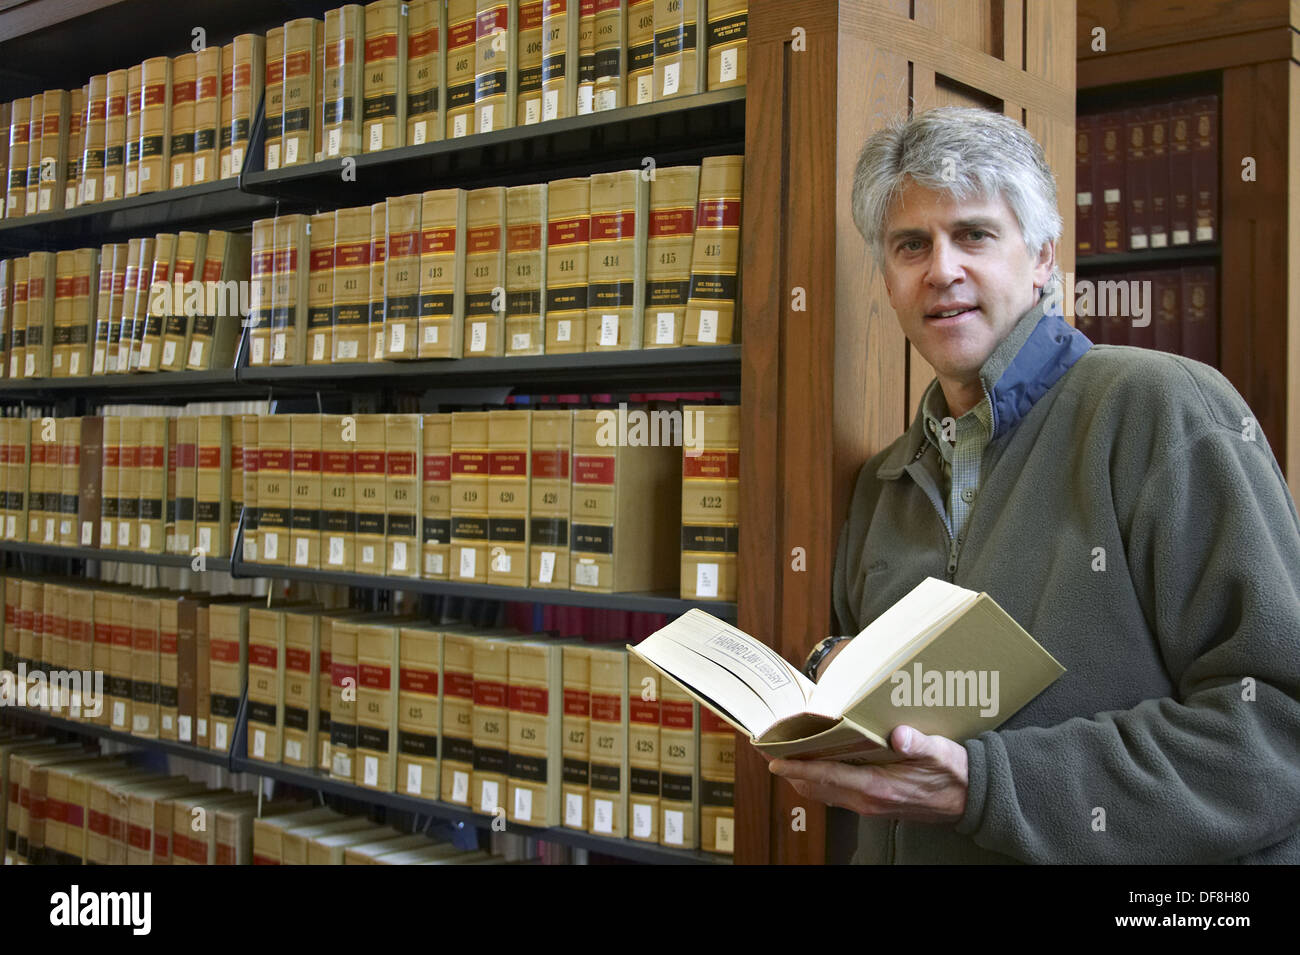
[
  {"x": 1290, "y": 456},
  {"x": 1171, "y": 23},
  {"x": 1215, "y": 53}
]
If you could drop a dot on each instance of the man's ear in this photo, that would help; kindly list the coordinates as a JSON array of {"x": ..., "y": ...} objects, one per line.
[{"x": 1044, "y": 263}]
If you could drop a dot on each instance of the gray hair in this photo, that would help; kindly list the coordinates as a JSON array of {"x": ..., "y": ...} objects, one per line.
[{"x": 963, "y": 152}]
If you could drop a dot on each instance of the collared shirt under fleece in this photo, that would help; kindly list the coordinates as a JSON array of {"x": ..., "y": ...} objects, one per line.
[{"x": 1132, "y": 518}]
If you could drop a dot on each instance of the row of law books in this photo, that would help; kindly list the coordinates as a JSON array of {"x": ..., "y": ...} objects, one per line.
[
  {"x": 605, "y": 262},
  {"x": 1147, "y": 177},
  {"x": 169, "y": 302},
  {"x": 361, "y": 79},
  {"x": 538, "y": 730},
  {"x": 1172, "y": 310},
  {"x": 64, "y": 804},
  {"x": 133, "y": 478}
]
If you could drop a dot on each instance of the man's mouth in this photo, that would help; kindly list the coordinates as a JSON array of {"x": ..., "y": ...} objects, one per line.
[{"x": 954, "y": 312}]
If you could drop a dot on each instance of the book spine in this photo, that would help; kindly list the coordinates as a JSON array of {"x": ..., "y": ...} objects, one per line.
[
  {"x": 378, "y": 260},
  {"x": 274, "y": 105},
  {"x": 550, "y": 495},
  {"x": 717, "y": 784},
  {"x": 610, "y": 85},
  {"x": 301, "y": 685},
  {"x": 608, "y": 781},
  {"x": 305, "y": 518},
  {"x": 147, "y": 332},
  {"x": 559, "y": 38},
  {"x": 152, "y": 458},
  {"x": 595, "y": 476},
  {"x": 710, "y": 503},
  {"x": 75, "y": 147},
  {"x": 207, "y": 114},
  {"x": 168, "y": 644},
  {"x": 1205, "y": 168},
  {"x": 248, "y": 442},
  {"x": 575, "y": 747},
  {"x": 1108, "y": 172},
  {"x": 119, "y": 669},
  {"x": 525, "y": 329},
  {"x": 369, "y": 478},
  {"x": 128, "y": 484},
  {"x": 726, "y": 43},
  {"x": 535, "y": 696},
  {"x": 89, "y": 483},
  {"x": 320, "y": 293},
  {"x": 301, "y": 90},
  {"x": 184, "y": 98},
  {"x": 679, "y": 764},
  {"x": 1137, "y": 178},
  {"x": 228, "y": 666},
  {"x": 423, "y": 72},
  {"x": 260, "y": 292},
  {"x": 442, "y": 279},
  {"x": 490, "y": 727},
  {"x": 529, "y": 63},
  {"x": 135, "y": 307},
  {"x": 53, "y": 168},
  {"x": 186, "y": 481},
  {"x": 377, "y": 664},
  {"x": 70, "y": 480},
  {"x": 341, "y": 101},
  {"x": 642, "y": 16},
  {"x": 1085, "y": 219},
  {"x": 384, "y": 88},
  {"x": 273, "y": 488},
  {"x": 435, "y": 521},
  {"x": 325, "y": 679},
  {"x": 343, "y": 702},
  {"x": 643, "y": 748},
  {"x": 470, "y": 467},
  {"x": 1200, "y": 314},
  {"x": 212, "y": 492},
  {"x": 713, "y": 305},
  {"x": 614, "y": 310},
  {"x": 679, "y": 61},
  {"x": 35, "y": 126},
  {"x": 144, "y": 667},
  {"x": 338, "y": 492},
  {"x": 351, "y": 307},
  {"x": 95, "y": 144},
  {"x": 462, "y": 24},
  {"x": 155, "y": 123},
  {"x": 1166, "y": 298},
  {"x": 510, "y": 440},
  {"x": 402, "y": 494},
  {"x": 265, "y": 670},
  {"x": 495, "y": 33},
  {"x": 289, "y": 287},
  {"x": 190, "y": 248},
  {"x": 110, "y": 495},
  {"x": 401, "y": 282},
  {"x": 485, "y": 272},
  {"x": 418, "y": 711},
  {"x": 19, "y": 145},
  {"x": 568, "y": 233},
  {"x": 1158, "y": 180}
]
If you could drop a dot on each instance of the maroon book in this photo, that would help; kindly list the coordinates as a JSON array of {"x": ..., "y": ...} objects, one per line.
[
  {"x": 1085, "y": 319},
  {"x": 1201, "y": 314},
  {"x": 1113, "y": 308},
  {"x": 1142, "y": 313},
  {"x": 1181, "y": 195},
  {"x": 1108, "y": 182},
  {"x": 1085, "y": 220},
  {"x": 1137, "y": 178},
  {"x": 1158, "y": 168},
  {"x": 1166, "y": 296},
  {"x": 1205, "y": 168}
]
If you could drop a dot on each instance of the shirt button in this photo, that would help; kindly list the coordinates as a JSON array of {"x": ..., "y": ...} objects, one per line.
[{"x": 968, "y": 495}]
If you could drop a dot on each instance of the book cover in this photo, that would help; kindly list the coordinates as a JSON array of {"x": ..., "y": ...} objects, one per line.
[
  {"x": 320, "y": 291},
  {"x": 670, "y": 241},
  {"x": 424, "y": 71},
  {"x": 401, "y": 284},
  {"x": 207, "y": 114},
  {"x": 715, "y": 282},
  {"x": 435, "y": 505},
  {"x": 419, "y": 711},
  {"x": 185, "y": 74},
  {"x": 568, "y": 231},
  {"x": 155, "y": 123},
  {"x": 344, "y": 63},
  {"x": 273, "y": 108},
  {"x": 525, "y": 327},
  {"x": 617, "y": 261},
  {"x": 550, "y": 496},
  {"x": 711, "y": 503},
  {"x": 384, "y": 87},
  {"x": 470, "y": 468},
  {"x": 496, "y": 38},
  {"x": 338, "y": 492},
  {"x": 442, "y": 273}
]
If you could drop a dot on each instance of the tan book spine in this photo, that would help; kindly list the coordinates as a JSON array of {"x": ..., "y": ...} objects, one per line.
[
  {"x": 216, "y": 330},
  {"x": 301, "y": 90},
  {"x": 6, "y": 313},
  {"x": 383, "y": 108},
  {"x": 609, "y": 742},
  {"x": 168, "y": 630},
  {"x": 525, "y": 331},
  {"x": 153, "y": 484},
  {"x": 118, "y": 674},
  {"x": 401, "y": 315},
  {"x": 485, "y": 272},
  {"x": 338, "y": 492},
  {"x": 18, "y": 319},
  {"x": 110, "y": 495},
  {"x": 402, "y": 495},
  {"x": 378, "y": 649},
  {"x": 344, "y": 65},
  {"x": 710, "y": 502},
  {"x": 273, "y": 488},
  {"x": 369, "y": 489},
  {"x": 55, "y": 126},
  {"x": 713, "y": 307},
  {"x": 470, "y": 467},
  {"x": 495, "y": 63},
  {"x": 185, "y": 74},
  {"x": 642, "y": 17},
  {"x": 670, "y": 240},
  {"x": 128, "y": 483},
  {"x": 191, "y": 249},
  {"x": 40, "y": 314},
  {"x": 36, "y": 127},
  {"x": 728, "y": 28},
  {"x": 530, "y": 65},
  {"x": 457, "y": 716},
  {"x": 424, "y": 67},
  {"x": 117, "y": 88},
  {"x": 212, "y": 490},
  {"x": 343, "y": 699},
  {"x": 535, "y": 733},
  {"x": 289, "y": 290},
  {"x": 65, "y": 266},
  {"x": 122, "y": 308},
  {"x": 305, "y": 518},
  {"x": 249, "y": 427},
  {"x": 76, "y": 146},
  {"x": 260, "y": 292},
  {"x": 643, "y": 749},
  {"x": 187, "y": 433},
  {"x": 491, "y": 725},
  {"x": 680, "y": 63},
  {"x": 135, "y": 307},
  {"x": 568, "y": 232},
  {"x": 144, "y": 666},
  {"x": 274, "y": 106},
  {"x": 207, "y": 114},
  {"x": 265, "y": 684},
  {"x": 550, "y": 496},
  {"x": 81, "y": 320},
  {"x": 301, "y": 688},
  {"x": 90, "y": 478},
  {"x": 225, "y": 130},
  {"x": 155, "y": 123},
  {"x": 576, "y": 746},
  {"x": 352, "y": 247},
  {"x": 147, "y": 332},
  {"x": 419, "y": 710},
  {"x": 435, "y": 517},
  {"x": 320, "y": 292},
  {"x": 324, "y": 667},
  {"x": 717, "y": 783},
  {"x": 462, "y": 25},
  {"x": 37, "y": 450},
  {"x": 95, "y": 147},
  {"x": 69, "y": 480},
  {"x": 510, "y": 440},
  {"x": 248, "y": 80},
  {"x": 103, "y": 305},
  {"x": 378, "y": 260},
  {"x": 560, "y": 58},
  {"x": 609, "y": 90},
  {"x": 169, "y": 500},
  {"x": 19, "y": 144},
  {"x": 228, "y": 649},
  {"x": 202, "y": 679},
  {"x": 442, "y": 273},
  {"x": 616, "y": 276}
]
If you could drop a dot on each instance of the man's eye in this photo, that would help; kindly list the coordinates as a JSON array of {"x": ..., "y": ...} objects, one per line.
[
  {"x": 977, "y": 234},
  {"x": 912, "y": 245}
]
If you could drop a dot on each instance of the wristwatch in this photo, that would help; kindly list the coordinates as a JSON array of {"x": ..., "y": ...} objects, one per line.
[{"x": 818, "y": 654}]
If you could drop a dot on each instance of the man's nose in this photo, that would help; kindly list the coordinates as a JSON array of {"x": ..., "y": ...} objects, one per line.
[{"x": 945, "y": 264}]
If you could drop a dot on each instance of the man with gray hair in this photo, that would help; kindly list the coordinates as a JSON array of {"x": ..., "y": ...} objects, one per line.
[{"x": 1119, "y": 503}]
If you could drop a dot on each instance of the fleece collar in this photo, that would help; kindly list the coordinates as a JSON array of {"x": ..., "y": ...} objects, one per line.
[{"x": 1039, "y": 349}]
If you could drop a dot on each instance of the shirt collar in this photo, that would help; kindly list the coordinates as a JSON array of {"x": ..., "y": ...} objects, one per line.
[{"x": 1039, "y": 349}]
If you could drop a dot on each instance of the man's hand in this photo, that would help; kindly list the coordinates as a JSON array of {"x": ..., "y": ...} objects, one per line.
[{"x": 928, "y": 785}]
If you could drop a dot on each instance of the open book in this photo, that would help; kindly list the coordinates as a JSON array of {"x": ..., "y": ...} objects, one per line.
[{"x": 944, "y": 660}]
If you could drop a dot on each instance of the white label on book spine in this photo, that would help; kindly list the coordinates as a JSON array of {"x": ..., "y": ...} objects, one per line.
[
  {"x": 1083, "y": 198},
  {"x": 562, "y": 330},
  {"x": 146, "y": 352},
  {"x": 70, "y": 197},
  {"x": 124, "y": 534},
  {"x": 259, "y": 351},
  {"x": 376, "y": 137},
  {"x": 219, "y": 735},
  {"x": 178, "y": 175},
  {"x": 546, "y": 567},
  {"x": 608, "y": 330},
  {"x": 1204, "y": 233},
  {"x": 29, "y": 368},
  {"x": 584, "y": 99},
  {"x": 586, "y": 574},
  {"x": 10, "y": 528},
  {"x": 293, "y": 749},
  {"x": 397, "y": 339},
  {"x": 205, "y": 539},
  {"x": 1110, "y": 195},
  {"x": 333, "y": 140},
  {"x": 488, "y": 796},
  {"x": 532, "y": 112},
  {"x": 431, "y": 334},
  {"x": 90, "y": 190},
  {"x": 672, "y": 78},
  {"x": 674, "y": 827},
  {"x": 343, "y": 765},
  {"x": 291, "y": 150},
  {"x": 318, "y": 347},
  {"x": 706, "y": 580},
  {"x": 368, "y": 554},
  {"x": 45, "y": 200},
  {"x": 642, "y": 820},
  {"x": 250, "y": 548},
  {"x": 1137, "y": 241},
  {"x": 663, "y": 328},
  {"x": 273, "y": 156},
  {"x": 524, "y": 804},
  {"x": 485, "y": 118},
  {"x": 301, "y": 550},
  {"x": 477, "y": 336},
  {"x": 270, "y": 545},
  {"x": 184, "y": 728},
  {"x": 87, "y": 533},
  {"x": 203, "y": 727},
  {"x": 1182, "y": 237},
  {"x": 500, "y": 561},
  {"x": 727, "y": 69},
  {"x": 259, "y": 744},
  {"x": 414, "y": 779},
  {"x": 520, "y": 341},
  {"x": 708, "y": 325},
  {"x": 336, "y": 551},
  {"x": 277, "y": 346},
  {"x": 49, "y": 530},
  {"x": 420, "y": 133},
  {"x": 236, "y": 161},
  {"x": 459, "y": 125},
  {"x": 167, "y": 721},
  {"x": 200, "y": 168},
  {"x": 573, "y": 816},
  {"x": 196, "y": 353},
  {"x": 645, "y": 87},
  {"x": 347, "y": 349},
  {"x": 225, "y": 166},
  {"x": 606, "y": 99},
  {"x": 146, "y": 173},
  {"x": 169, "y": 352},
  {"x": 370, "y": 770},
  {"x": 146, "y": 536},
  {"x": 436, "y": 564},
  {"x": 723, "y": 834},
  {"x": 460, "y": 786},
  {"x": 399, "y": 555},
  {"x": 1159, "y": 240},
  {"x": 139, "y": 722},
  {"x": 65, "y": 528},
  {"x": 602, "y": 816},
  {"x": 467, "y": 561},
  {"x": 550, "y": 104}
]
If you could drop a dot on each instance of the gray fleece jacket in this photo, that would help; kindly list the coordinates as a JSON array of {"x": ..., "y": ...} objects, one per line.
[{"x": 1134, "y": 521}]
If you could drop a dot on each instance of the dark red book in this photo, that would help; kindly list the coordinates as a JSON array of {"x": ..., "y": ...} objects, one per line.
[
  {"x": 1085, "y": 316},
  {"x": 1108, "y": 181},
  {"x": 1137, "y": 178},
  {"x": 1158, "y": 168},
  {"x": 1166, "y": 298},
  {"x": 1182, "y": 208},
  {"x": 1085, "y": 209},
  {"x": 1205, "y": 168},
  {"x": 1201, "y": 314}
]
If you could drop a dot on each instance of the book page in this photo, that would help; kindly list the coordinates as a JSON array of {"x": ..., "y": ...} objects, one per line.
[{"x": 731, "y": 699}]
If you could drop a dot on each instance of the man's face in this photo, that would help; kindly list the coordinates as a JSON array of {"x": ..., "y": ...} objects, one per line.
[{"x": 944, "y": 255}]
